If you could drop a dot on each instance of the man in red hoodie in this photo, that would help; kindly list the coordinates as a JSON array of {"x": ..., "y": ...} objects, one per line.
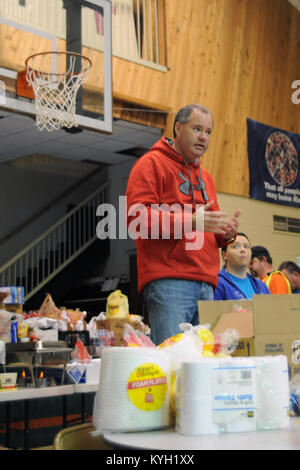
[{"x": 175, "y": 219}]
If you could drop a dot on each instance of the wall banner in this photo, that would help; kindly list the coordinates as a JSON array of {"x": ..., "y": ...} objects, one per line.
[{"x": 274, "y": 164}]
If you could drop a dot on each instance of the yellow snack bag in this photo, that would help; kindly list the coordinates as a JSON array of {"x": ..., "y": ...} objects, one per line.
[{"x": 22, "y": 330}]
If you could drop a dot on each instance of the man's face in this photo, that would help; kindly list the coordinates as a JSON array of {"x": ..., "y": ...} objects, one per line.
[
  {"x": 192, "y": 138},
  {"x": 294, "y": 279},
  {"x": 238, "y": 253},
  {"x": 256, "y": 267}
]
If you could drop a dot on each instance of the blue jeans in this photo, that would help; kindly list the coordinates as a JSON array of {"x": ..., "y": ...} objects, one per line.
[{"x": 173, "y": 301}]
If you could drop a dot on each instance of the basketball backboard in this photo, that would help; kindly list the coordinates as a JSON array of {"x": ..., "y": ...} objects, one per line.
[{"x": 30, "y": 27}]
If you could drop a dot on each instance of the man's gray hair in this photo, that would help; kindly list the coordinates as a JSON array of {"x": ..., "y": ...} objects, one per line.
[{"x": 184, "y": 114}]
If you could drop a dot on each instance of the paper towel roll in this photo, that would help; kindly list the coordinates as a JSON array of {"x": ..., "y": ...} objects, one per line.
[
  {"x": 273, "y": 392},
  {"x": 133, "y": 392},
  {"x": 194, "y": 414}
]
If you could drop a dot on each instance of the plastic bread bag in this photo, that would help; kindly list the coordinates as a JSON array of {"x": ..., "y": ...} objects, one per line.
[
  {"x": 80, "y": 353},
  {"x": 136, "y": 321},
  {"x": 226, "y": 342},
  {"x": 44, "y": 323},
  {"x": 73, "y": 317},
  {"x": 220, "y": 345},
  {"x": 92, "y": 326},
  {"x": 103, "y": 338},
  {"x": 183, "y": 346},
  {"x": 61, "y": 325},
  {"x": 80, "y": 325},
  {"x": 136, "y": 338},
  {"x": 145, "y": 338}
]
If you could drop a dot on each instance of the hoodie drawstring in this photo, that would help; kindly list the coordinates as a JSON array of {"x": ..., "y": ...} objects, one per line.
[{"x": 201, "y": 186}]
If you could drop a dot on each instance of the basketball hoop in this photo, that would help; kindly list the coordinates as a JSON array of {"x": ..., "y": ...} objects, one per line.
[{"x": 56, "y": 78}]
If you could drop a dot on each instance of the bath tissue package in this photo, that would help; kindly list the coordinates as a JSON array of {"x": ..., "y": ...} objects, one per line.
[
  {"x": 273, "y": 394},
  {"x": 232, "y": 395},
  {"x": 134, "y": 390}
]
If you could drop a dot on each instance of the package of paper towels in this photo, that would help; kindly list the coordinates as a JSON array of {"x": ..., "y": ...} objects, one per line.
[{"x": 134, "y": 390}]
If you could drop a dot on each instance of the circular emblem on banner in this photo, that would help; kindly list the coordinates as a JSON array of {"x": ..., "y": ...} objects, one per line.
[
  {"x": 147, "y": 387},
  {"x": 281, "y": 158}
]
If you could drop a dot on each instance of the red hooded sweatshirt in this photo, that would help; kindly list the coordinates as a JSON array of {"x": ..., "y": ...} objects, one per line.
[{"x": 162, "y": 176}]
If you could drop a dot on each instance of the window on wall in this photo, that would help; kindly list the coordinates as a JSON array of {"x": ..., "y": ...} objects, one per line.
[
  {"x": 286, "y": 224},
  {"x": 138, "y": 30},
  {"x": 149, "y": 20},
  {"x": 138, "y": 26}
]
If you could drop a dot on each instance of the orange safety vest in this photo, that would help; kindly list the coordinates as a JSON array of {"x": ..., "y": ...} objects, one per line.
[{"x": 277, "y": 285}]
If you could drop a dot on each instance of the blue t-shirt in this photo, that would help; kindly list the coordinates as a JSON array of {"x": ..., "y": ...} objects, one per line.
[{"x": 244, "y": 285}]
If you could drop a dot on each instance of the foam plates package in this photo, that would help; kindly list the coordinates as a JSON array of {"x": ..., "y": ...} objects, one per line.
[{"x": 134, "y": 390}]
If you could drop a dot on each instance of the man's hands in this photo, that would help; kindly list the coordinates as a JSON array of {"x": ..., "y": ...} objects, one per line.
[{"x": 216, "y": 221}]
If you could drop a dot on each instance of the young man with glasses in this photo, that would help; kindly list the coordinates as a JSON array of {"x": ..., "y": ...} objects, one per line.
[{"x": 178, "y": 262}]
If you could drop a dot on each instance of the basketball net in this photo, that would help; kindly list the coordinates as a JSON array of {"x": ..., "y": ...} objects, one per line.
[{"x": 56, "y": 78}]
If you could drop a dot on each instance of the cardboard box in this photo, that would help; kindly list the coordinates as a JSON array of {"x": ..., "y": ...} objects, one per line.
[
  {"x": 15, "y": 295},
  {"x": 268, "y": 325},
  {"x": 13, "y": 308}
]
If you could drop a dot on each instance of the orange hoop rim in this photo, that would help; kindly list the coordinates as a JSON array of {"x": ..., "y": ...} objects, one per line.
[{"x": 66, "y": 53}]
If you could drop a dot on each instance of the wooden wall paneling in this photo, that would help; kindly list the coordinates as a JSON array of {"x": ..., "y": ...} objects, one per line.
[
  {"x": 162, "y": 45},
  {"x": 229, "y": 174},
  {"x": 282, "y": 78},
  {"x": 238, "y": 57},
  {"x": 271, "y": 73},
  {"x": 291, "y": 61},
  {"x": 177, "y": 51},
  {"x": 221, "y": 60},
  {"x": 18, "y": 45}
]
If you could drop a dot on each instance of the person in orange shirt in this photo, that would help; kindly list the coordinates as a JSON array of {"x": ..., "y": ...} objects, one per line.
[
  {"x": 292, "y": 271},
  {"x": 261, "y": 266}
]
